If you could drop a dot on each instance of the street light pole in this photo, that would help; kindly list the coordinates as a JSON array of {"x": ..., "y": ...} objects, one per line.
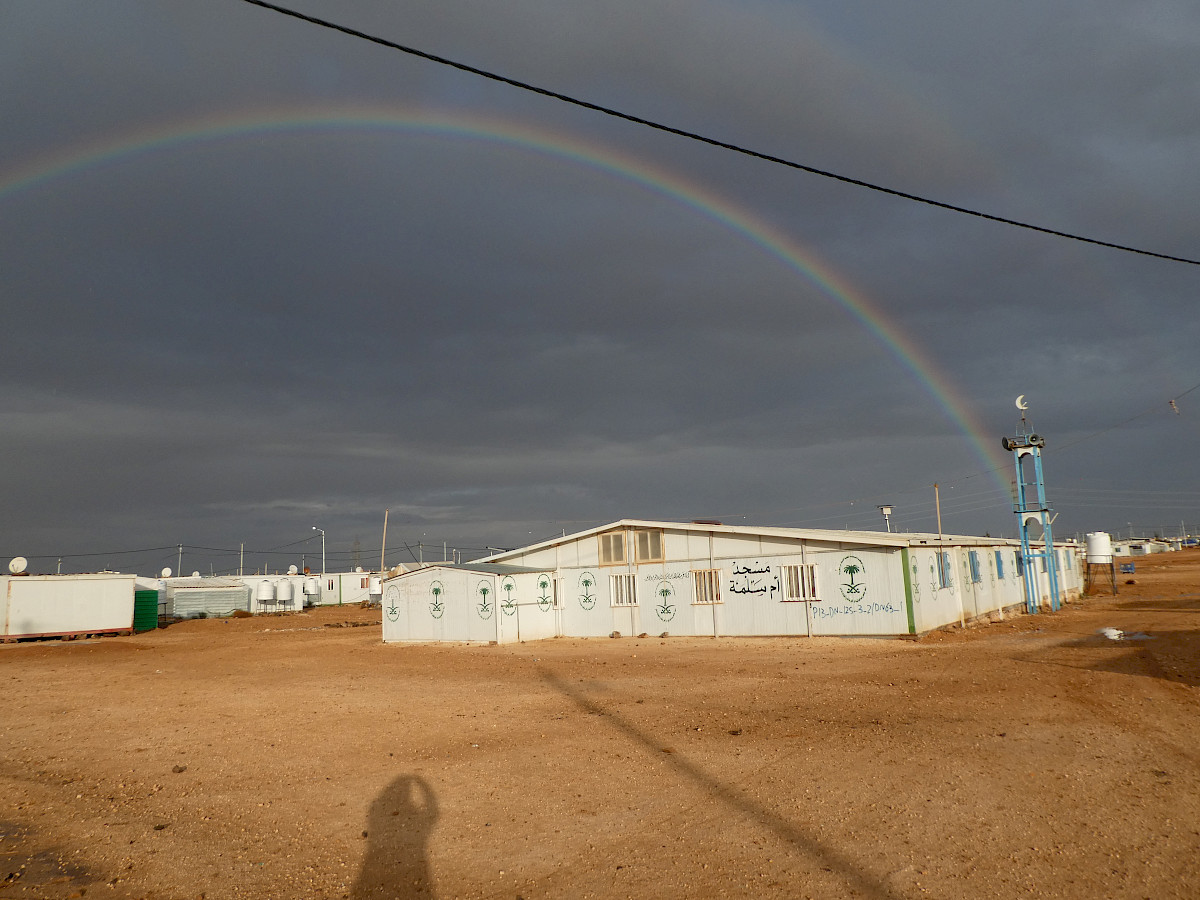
[{"x": 322, "y": 530}]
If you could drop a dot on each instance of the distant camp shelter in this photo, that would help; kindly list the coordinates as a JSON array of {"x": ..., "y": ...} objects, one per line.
[
  {"x": 637, "y": 576},
  {"x": 66, "y": 606}
]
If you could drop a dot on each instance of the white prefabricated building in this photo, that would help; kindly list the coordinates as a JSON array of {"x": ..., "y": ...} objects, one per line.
[
  {"x": 68, "y": 605},
  {"x": 470, "y": 602},
  {"x": 221, "y": 595},
  {"x": 636, "y": 576}
]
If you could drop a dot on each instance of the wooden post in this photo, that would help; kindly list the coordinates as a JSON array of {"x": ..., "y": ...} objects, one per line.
[{"x": 383, "y": 550}]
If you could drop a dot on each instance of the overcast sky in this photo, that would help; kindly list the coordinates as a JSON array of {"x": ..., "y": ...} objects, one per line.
[{"x": 258, "y": 275}]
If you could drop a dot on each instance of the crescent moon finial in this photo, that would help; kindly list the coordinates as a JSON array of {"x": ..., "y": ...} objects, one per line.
[{"x": 1021, "y": 404}]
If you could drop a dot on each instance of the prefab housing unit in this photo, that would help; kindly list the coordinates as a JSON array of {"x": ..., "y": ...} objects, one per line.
[
  {"x": 469, "y": 602},
  {"x": 68, "y": 605},
  {"x": 637, "y": 576},
  {"x": 198, "y": 597}
]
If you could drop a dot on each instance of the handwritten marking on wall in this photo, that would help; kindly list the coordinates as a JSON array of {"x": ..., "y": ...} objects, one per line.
[
  {"x": 755, "y": 579},
  {"x": 852, "y": 609}
]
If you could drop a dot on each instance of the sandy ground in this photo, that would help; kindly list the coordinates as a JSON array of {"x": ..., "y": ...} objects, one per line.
[{"x": 294, "y": 756}]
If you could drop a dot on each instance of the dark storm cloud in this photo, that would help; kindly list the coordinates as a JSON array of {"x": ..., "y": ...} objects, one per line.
[{"x": 234, "y": 340}]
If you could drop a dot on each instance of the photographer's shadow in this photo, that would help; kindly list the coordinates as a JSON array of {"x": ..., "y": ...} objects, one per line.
[{"x": 399, "y": 825}]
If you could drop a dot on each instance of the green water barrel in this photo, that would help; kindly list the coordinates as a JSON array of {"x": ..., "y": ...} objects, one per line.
[{"x": 145, "y": 610}]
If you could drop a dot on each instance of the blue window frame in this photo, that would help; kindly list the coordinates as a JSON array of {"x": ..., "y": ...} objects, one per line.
[
  {"x": 973, "y": 560},
  {"x": 999, "y": 565},
  {"x": 943, "y": 565}
]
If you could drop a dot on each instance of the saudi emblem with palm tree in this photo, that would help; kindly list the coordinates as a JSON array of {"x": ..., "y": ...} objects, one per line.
[
  {"x": 437, "y": 607},
  {"x": 587, "y": 581},
  {"x": 853, "y": 590},
  {"x": 508, "y": 605},
  {"x": 483, "y": 607},
  {"x": 665, "y": 609}
]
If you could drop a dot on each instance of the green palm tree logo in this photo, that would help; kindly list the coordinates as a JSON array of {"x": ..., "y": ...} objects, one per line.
[
  {"x": 508, "y": 607},
  {"x": 666, "y": 609},
  {"x": 543, "y": 599},
  {"x": 484, "y": 608},
  {"x": 437, "y": 607},
  {"x": 853, "y": 590},
  {"x": 586, "y": 582}
]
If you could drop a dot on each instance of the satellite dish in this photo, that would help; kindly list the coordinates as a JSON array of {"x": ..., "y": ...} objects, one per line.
[
  {"x": 166, "y": 573},
  {"x": 1021, "y": 404},
  {"x": 195, "y": 574},
  {"x": 292, "y": 570},
  {"x": 18, "y": 565}
]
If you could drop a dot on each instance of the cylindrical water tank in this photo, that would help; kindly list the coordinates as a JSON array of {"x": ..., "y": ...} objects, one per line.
[
  {"x": 376, "y": 589},
  {"x": 264, "y": 591},
  {"x": 1099, "y": 547},
  {"x": 312, "y": 586},
  {"x": 285, "y": 592}
]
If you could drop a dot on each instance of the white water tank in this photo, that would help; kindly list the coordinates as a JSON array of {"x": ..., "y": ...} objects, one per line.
[
  {"x": 265, "y": 591},
  {"x": 312, "y": 586},
  {"x": 285, "y": 591},
  {"x": 1099, "y": 547},
  {"x": 376, "y": 588}
]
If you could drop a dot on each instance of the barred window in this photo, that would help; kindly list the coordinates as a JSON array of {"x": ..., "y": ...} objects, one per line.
[
  {"x": 648, "y": 545},
  {"x": 623, "y": 590},
  {"x": 707, "y": 585},
  {"x": 612, "y": 549},
  {"x": 799, "y": 582}
]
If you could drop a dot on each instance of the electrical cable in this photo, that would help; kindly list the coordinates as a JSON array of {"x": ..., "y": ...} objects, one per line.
[
  {"x": 694, "y": 136},
  {"x": 109, "y": 553}
]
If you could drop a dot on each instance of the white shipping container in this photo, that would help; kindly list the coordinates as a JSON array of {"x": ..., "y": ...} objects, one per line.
[{"x": 64, "y": 605}]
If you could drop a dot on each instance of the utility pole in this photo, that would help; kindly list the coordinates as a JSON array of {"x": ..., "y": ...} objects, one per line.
[
  {"x": 937, "y": 501},
  {"x": 383, "y": 549},
  {"x": 315, "y": 528}
]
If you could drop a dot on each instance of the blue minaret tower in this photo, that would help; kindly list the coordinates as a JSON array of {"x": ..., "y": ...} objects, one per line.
[{"x": 1033, "y": 512}]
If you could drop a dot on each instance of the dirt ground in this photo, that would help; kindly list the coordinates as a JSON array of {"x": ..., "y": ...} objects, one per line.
[{"x": 295, "y": 756}]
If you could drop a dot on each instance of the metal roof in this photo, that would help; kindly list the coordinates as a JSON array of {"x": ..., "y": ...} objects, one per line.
[
  {"x": 864, "y": 538},
  {"x": 485, "y": 568}
]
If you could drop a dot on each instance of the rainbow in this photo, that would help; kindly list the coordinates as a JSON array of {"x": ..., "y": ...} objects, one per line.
[{"x": 475, "y": 127}]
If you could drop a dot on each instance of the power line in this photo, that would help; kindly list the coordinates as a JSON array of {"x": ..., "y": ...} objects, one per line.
[
  {"x": 694, "y": 136},
  {"x": 172, "y": 548}
]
